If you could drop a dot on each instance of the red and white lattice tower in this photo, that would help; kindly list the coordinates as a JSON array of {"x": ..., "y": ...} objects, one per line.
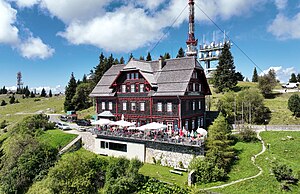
[{"x": 191, "y": 41}]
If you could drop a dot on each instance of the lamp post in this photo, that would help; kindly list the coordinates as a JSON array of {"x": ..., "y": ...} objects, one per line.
[{"x": 266, "y": 121}]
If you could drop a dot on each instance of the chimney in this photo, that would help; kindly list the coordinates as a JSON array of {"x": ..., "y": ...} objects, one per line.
[{"x": 160, "y": 62}]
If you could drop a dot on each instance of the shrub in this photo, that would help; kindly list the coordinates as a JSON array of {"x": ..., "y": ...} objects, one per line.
[
  {"x": 294, "y": 104},
  {"x": 3, "y": 124},
  {"x": 247, "y": 135},
  {"x": 3, "y": 103},
  {"x": 12, "y": 99}
]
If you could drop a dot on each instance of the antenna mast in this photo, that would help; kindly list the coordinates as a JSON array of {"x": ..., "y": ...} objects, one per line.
[
  {"x": 19, "y": 80},
  {"x": 191, "y": 41}
]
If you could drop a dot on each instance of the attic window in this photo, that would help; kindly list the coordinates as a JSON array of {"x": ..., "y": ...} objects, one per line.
[
  {"x": 136, "y": 75},
  {"x": 128, "y": 75}
]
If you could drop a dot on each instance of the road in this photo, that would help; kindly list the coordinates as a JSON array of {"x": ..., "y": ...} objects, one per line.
[{"x": 88, "y": 139}]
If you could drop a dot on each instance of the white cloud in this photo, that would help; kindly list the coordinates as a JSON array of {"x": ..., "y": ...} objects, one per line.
[
  {"x": 35, "y": 48},
  {"x": 126, "y": 25},
  {"x": 285, "y": 28},
  {"x": 281, "y": 4},
  {"x": 282, "y": 74},
  {"x": 8, "y": 32},
  {"x": 73, "y": 10}
]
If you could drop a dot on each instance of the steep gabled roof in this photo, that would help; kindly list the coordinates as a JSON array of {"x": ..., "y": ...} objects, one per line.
[
  {"x": 103, "y": 86},
  {"x": 171, "y": 80}
]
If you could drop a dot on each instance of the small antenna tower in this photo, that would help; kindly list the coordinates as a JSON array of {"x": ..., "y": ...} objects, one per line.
[
  {"x": 191, "y": 41},
  {"x": 19, "y": 80}
]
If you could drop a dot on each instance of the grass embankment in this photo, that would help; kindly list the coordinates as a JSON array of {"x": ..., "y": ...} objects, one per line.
[
  {"x": 278, "y": 104},
  {"x": 57, "y": 138},
  {"x": 14, "y": 113},
  {"x": 283, "y": 150},
  {"x": 162, "y": 173},
  {"x": 242, "y": 169}
]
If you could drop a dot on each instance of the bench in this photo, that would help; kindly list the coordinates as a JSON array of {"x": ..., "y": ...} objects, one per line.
[
  {"x": 180, "y": 169},
  {"x": 175, "y": 172}
]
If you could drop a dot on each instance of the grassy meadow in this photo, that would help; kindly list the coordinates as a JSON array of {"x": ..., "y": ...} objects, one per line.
[
  {"x": 14, "y": 113},
  {"x": 57, "y": 138},
  {"x": 282, "y": 150}
]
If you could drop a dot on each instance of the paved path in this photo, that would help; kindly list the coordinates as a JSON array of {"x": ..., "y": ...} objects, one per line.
[
  {"x": 253, "y": 161},
  {"x": 88, "y": 139}
]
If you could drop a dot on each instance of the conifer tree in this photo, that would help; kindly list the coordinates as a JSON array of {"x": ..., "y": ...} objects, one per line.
[
  {"x": 116, "y": 61},
  {"x": 293, "y": 78},
  {"x": 12, "y": 99},
  {"x": 43, "y": 93},
  {"x": 84, "y": 79},
  {"x": 130, "y": 57},
  {"x": 255, "y": 76},
  {"x": 50, "y": 93},
  {"x": 224, "y": 78},
  {"x": 70, "y": 92},
  {"x": 298, "y": 77},
  {"x": 122, "y": 61},
  {"x": 180, "y": 53},
  {"x": 27, "y": 92},
  {"x": 167, "y": 56},
  {"x": 142, "y": 58},
  {"x": 32, "y": 94},
  {"x": 148, "y": 58}
]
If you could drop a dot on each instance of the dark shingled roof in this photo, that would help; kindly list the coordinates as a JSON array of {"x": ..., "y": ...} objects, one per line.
[{"x": 171, "y": 80}]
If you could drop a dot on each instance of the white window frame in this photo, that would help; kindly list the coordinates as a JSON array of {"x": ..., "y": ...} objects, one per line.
[
  {"x": 123, "y": 88},
  {"x": 124, "y": 106},
  {"x": 200, "y": 88},
  {"x": 110, "y": 105},
  {"x": 193, "y": 124},
  {"x": 199, "y": 105},
  {"x": 186, "y": 124},
  {"x": 132, "y": 88},
  {"x": 142, "y": 86},
  {"x": 159, "y": 106},
  {"x": 103, "y": 105},
  {"x": 169, "y": 107},
  {"x": 194, "y": 87},
  {"x": 133, "y": 106},
  {"x": 201, "y": 121},
  {"x": 194, "y": 105},
  {"x": 142, "y": 106},
  {"x": 136, "y": 76}
]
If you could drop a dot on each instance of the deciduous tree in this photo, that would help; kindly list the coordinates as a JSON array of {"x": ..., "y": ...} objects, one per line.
[{"x": 267, "y": 82}]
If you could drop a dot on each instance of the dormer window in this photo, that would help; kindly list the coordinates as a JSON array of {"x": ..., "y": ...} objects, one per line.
[
  {"x": 132, "y": 75},
  {"x": 136, "y": 75},
  {"x": 128, "y": 75}
]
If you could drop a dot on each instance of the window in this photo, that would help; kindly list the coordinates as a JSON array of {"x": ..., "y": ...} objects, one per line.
[
  {"x": 169, "y": 106},
  {"x": 133, "y": 106},
  {"x": 132, "y": 75},
  {"x": 199, "y": 105},
  {"x": 142, "y": 106},
  {"x": 202, "y": 122},
  {"x": 194, "y": 106},
  {"x": 103, "y": 105},
  {"x": 132, "y": 88},
  {"x": 187, "y": 124},
  {"x": 128, "y": 75},
  {"x": 193, "y": 124},
  {"x": 197, "y": 87},
  {"x": 136, "y": 75},
  {"x": 124, "y": 105},
  {"x": 194, "y": 87},
  {"x": 118, "y": 147},
  {"x": 142, "y": 87},
  {"x": 200, "y": 88},
  {"x": 199, "y": 123},
  {"x": 159, "y": 106},
  {"x": 110, "y": 106},
  {"x": 123, "y": 88},
  {"x": 102, "y": 144}
]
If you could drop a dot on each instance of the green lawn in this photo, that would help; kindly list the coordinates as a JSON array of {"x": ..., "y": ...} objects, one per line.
[
  {"x": 14, "y": 113},
  {"x": 243, "y": 167},
  {"x": 57, "y": 138},
  {"x": 162, "y": 173},
  {"x": 281, "y": 150},
  {"x": 281, "y": 115}
]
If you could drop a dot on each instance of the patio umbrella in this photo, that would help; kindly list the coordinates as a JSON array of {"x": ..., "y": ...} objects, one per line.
[
  {"x": 202, "y": 131},
  {"x": 101, "y": 122},
  {"x": 154, "y": 126},
  {"x": 123, "y": 123}
]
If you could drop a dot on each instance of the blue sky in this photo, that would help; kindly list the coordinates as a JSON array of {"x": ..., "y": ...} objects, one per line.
[{"x": 47, "y": 40}]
